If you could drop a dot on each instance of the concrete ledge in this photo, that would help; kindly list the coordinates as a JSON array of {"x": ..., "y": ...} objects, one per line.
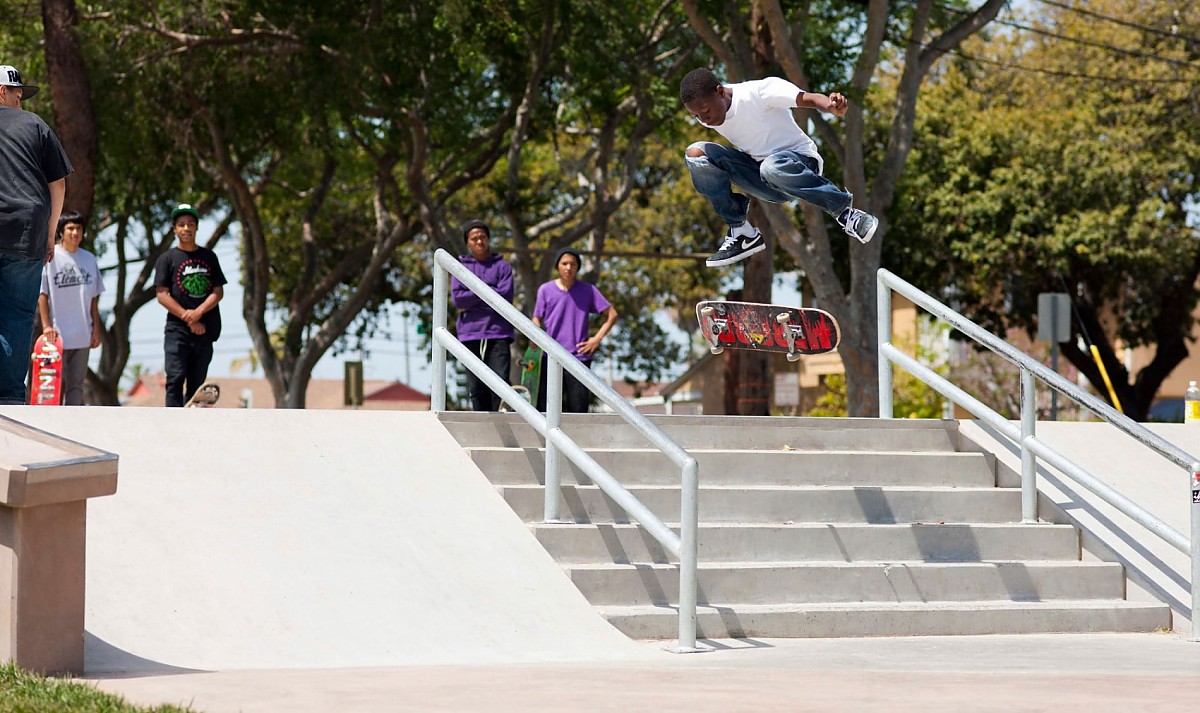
[
  {"x": 45, "y": 482},
  {"x": 40, "y": 468}
]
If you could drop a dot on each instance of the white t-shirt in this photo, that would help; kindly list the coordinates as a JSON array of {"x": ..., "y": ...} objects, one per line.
[
  {"x": 71, "y": 281},
  {"x": 760, "y": 122}
]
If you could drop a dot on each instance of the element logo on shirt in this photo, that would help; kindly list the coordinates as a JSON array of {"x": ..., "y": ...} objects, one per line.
[
  {"x": 70, "y": 277},
  {"x": 194, "y": 280}
]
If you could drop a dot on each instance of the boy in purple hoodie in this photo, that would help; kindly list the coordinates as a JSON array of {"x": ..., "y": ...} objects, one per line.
[{"x": 480, "y": 328}]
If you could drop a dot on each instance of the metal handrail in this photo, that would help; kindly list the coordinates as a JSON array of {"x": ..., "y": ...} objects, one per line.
[
  {"x": 1031, "y": 447},
  {"x": 549, "y": 427}
]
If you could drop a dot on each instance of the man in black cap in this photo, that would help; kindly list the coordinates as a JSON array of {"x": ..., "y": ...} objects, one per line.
[{"x": 34, "y": 168}]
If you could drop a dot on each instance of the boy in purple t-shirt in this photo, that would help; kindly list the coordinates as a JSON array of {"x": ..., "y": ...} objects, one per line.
[{"x": 562, "y": 309}]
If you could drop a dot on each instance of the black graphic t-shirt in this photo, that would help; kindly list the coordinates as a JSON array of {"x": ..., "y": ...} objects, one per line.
[{"x": 191, "y": 277}]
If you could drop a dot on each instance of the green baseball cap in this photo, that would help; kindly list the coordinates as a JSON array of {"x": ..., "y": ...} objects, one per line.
[{"x": 184, "y": 209}]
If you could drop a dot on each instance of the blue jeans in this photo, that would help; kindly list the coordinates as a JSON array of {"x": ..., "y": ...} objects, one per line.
[
  {"x": 20, "y": 283},
  {"x": 781, "y": 177}
]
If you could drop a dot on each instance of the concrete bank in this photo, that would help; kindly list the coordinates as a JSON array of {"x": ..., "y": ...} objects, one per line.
[{"x": 280, "y": 539}]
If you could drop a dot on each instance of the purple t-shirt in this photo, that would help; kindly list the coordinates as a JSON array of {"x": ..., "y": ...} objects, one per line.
[{"x": 564, "y": 313}]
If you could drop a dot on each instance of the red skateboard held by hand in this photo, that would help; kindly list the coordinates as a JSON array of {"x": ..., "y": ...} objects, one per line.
[
  {"x": 45, "y": 388},
  {"x": 794, "y": 331}
]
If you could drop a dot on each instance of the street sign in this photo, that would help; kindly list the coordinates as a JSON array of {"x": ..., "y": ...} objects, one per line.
[{"x": 1054, "y": 317}]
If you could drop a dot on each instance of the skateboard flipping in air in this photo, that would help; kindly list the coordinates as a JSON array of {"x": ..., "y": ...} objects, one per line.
[
  {"x": 794, "y": 331},
  {"x": 206, "y": 396},
  {"x": 45, "y": 388}
]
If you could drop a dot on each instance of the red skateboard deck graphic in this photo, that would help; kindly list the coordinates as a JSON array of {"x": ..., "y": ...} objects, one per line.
[
  {"x": 45, "y": 388},
  {"x": 794, "y": 331}
]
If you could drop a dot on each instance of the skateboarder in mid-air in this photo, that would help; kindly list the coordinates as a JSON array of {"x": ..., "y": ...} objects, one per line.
[{"x": 772, "y": 159}]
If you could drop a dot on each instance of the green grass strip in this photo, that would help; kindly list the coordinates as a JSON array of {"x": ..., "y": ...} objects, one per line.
[{"x": 24, "y": 692}]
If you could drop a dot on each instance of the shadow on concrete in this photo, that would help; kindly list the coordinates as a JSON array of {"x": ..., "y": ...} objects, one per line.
[
  {"x": 734, "y": 644},
  {"x": 1080, "y": 504},
  {"x": 103, "y": 660}
]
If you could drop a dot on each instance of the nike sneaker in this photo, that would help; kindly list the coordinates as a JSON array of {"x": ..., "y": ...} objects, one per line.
[
  {"x": 858, "y": 223},
  {"x": 735, "y": 248}
]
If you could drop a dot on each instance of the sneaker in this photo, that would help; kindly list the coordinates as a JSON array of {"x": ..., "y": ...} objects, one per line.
[
  {"x": 735, "y": 248},
  {"x": 858, "y": 223}
]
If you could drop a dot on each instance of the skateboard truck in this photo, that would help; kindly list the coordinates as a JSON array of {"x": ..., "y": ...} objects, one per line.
[
  {"x": 785, "y": 319},
  {"x": 708, "y": 314}
]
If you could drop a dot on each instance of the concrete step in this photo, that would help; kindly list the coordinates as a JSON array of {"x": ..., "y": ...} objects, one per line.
[
  {"x": 862, "y": 504},
  {"x": 832, "y": 582},
  {"x": 736, "y": 542},
  {"x": 509, "y": 466},
  {"x": 477, "y": 430},
  {"x": 893, "y": 619}
]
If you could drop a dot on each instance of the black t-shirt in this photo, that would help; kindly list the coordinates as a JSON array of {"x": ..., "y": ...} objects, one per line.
[
  {"x": 30, "y": 158},
  {"x": 191, "y": 277}
]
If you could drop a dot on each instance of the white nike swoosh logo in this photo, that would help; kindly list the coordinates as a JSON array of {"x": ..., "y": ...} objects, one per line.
[{"x": 752, "y": 242}]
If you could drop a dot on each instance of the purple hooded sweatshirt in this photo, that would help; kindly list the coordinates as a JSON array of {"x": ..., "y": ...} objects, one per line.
[{"x": 476, "y": 320}]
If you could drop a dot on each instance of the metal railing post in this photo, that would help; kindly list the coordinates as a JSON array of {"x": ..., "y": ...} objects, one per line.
[
  {"x": 441, "y": 295},
  {"x": 1195, "y": 543},
  {"x": 554, "y": 379},
  {"x": 688, "y": 532},
  {"x": 1029, "y": 491},
  {"x": 1031, "y": 448},
  {"x": 559, "y": 445},
  {"x": 883, "y": 301}
]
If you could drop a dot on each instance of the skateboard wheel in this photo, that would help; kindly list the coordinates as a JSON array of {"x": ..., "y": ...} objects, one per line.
[
  {"x": 793, "y": 357},
  {"x": 783, "y": 318},
  {"x": 716, "y": 350},
  {"x": 707, "y": 311}
]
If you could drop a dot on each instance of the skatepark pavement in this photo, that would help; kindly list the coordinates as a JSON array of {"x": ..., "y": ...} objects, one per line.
[
  {"x": 340, "y": 561},
  {"x": 1097, "y": 673}
]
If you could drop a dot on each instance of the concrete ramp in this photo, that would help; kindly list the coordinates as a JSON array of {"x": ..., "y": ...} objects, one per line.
[{"x": 281, "y": 539}]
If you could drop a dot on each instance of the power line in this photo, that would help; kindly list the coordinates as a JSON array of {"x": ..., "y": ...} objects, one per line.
[
  {"x": 1118, "y": 21},
  {"x": 1099, "y": 45},
  {"x": 608, "y": 253},
  {"x": 1088, "y": 43},
  {"x": 1063, "y": 73}
]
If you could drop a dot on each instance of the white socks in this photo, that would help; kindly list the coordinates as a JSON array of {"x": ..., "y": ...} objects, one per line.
[{"x": 743, "y": 230}]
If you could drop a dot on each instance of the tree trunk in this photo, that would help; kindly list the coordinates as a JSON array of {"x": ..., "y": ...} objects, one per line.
[
  {"x": 735, "y": 38},
  {"x": 75, "y": 122},
  {"x": 754, "y": 372},
  {"x": 733, "y": 367}
]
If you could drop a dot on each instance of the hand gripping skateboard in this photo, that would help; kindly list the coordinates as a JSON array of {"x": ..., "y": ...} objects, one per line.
[
  {"x": 794, "y": 331},
  {"x": 205, "y": 397},
  {"x": 45, "y": 388}
]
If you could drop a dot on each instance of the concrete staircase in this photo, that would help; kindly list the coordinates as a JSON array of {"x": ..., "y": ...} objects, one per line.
[{"x": 808, "y": 528}]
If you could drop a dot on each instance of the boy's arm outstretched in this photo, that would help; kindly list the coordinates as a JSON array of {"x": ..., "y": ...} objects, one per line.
[{"x": 835, "y": 103}]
